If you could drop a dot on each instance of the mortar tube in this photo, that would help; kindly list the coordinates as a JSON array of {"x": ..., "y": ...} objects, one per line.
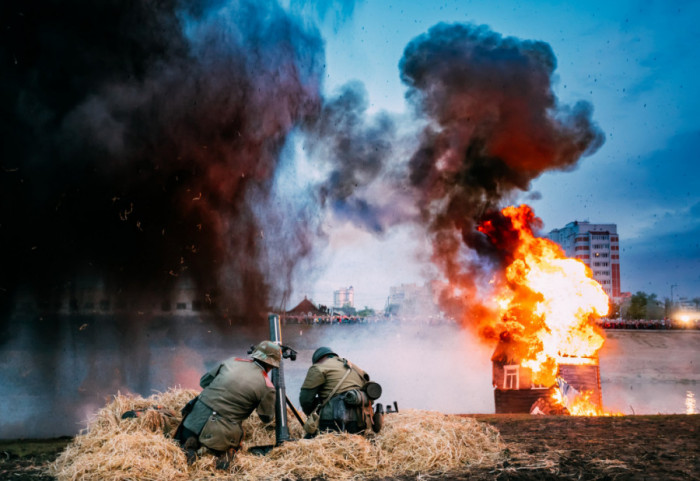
[{"x": 281, "y": 425}]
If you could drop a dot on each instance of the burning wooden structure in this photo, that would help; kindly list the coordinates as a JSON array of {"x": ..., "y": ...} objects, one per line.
[{"x": 516, "y": 392}]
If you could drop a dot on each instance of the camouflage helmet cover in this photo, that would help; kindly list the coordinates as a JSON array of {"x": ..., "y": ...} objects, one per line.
[
  {"x": 321, "y": 352},
  {"x": 268, "y": 352}
]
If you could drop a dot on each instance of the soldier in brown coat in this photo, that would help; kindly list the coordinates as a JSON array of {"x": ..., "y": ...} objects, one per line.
[
  {"x": 231, "y": 392},
  {"x": 343, "y": 411}
]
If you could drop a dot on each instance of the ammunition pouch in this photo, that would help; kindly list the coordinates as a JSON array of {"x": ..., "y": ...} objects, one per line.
[
  {"x": 311, "y": 424},
  {"x": 355, "y": 397}
]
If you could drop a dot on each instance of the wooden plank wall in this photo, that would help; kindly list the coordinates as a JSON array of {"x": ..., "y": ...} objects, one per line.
[
  {"x": 518, "y": 400},
  {"x": 583, "y": 378}
]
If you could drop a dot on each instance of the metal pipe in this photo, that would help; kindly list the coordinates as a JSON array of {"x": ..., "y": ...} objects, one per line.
[
  {"x": 295, "y": 412},
  {"x": 281, "y": 425}
]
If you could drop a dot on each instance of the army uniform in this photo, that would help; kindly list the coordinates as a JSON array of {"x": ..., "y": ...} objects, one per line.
[
  {"x": 322, "y": 377},
  {"x": 232, "y": 391}
]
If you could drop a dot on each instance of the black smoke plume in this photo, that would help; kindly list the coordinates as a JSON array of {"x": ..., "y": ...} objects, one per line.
[
  {"x": 133, "y": 133},
  {"x": 494, "y": 125},
  {"x": 356, "y": 151}
]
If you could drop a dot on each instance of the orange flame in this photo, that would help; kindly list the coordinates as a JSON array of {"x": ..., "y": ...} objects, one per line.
[
  {"x": 580, "y": 406},
  {"x": 549, "y": 302}
]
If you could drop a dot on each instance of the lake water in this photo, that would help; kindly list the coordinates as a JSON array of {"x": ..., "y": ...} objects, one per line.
[{"x": 52, "y": 389}]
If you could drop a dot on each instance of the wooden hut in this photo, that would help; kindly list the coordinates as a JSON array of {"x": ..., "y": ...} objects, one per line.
[{"x": 514, "y": 391}]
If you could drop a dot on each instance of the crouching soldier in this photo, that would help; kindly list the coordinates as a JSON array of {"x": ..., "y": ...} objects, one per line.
[
  {"x": 231, "y": 392},
  {"x": 338, "y": 395}
]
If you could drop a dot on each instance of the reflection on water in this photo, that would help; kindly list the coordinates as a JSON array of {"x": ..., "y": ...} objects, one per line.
[
  {"x": 651, "y": 372},
  {"x": 690, "y": 406},
  {"x": 648, "y": 397}
]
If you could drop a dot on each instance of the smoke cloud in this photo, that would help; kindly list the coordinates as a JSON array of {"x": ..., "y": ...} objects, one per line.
[
  {"x": 144, "y": 147},
  {"x": 494, "y": 126},
  {"x": 135, "y": 134},
  {"x": 359, "y": 153},
  {"x": 419, "y": 365}
]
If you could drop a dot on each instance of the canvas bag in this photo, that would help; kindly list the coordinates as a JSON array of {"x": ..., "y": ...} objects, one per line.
[{"x": 312, "y": 420}]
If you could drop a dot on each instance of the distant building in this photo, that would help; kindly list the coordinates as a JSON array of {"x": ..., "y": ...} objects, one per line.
[
  {"x": 344, "y": 297},
  {"x": 305, "y": 312},
  {"x": 411, "y": 300},
  {"x": 598, "y": 246}
]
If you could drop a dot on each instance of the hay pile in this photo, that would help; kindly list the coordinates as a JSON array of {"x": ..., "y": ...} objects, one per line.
[{"x": 411, "y": 443}]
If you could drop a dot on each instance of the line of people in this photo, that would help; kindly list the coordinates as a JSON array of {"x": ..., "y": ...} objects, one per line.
[
  {"x": 336, "y": 395},
  {"x": 665, "y": 323}
]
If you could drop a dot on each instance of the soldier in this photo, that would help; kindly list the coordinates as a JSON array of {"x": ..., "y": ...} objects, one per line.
[
  {"x": 334, "y": 388},
  {"x": 231, "y": 392}
]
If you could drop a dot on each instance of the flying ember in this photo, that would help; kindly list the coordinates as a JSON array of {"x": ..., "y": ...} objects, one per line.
[{"x": 548, "y": 302}]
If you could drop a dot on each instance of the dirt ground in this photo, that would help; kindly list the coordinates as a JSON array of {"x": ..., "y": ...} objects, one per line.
[{"x": 660, "y": 447}]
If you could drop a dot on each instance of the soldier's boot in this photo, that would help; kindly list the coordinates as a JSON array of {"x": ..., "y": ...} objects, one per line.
[
  {"x": 191, "y": 446},
  {"x": 224, "y": 460}
]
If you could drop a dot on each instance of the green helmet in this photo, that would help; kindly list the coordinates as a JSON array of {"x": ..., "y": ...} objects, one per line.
[
  {"x": 320, "y": 352},
  {"x": 268, "y": 352}
]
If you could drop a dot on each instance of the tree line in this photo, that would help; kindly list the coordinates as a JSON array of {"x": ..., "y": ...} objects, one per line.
[{"x": 642, "y": 305}]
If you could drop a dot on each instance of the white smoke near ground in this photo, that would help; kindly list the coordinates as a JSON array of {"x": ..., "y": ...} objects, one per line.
[{"x": 420, "y": 366}]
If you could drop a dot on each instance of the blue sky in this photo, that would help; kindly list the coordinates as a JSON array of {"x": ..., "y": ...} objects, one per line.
[{"x": 635, "y": 62}]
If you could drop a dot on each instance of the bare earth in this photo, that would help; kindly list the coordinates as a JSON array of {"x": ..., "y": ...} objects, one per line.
[{"x": 659, "y": 447}]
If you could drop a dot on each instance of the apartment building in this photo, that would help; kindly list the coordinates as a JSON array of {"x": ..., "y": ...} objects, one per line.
[
  {"x": 344, "y": 297},
  {"x": 598, "y": 246}
]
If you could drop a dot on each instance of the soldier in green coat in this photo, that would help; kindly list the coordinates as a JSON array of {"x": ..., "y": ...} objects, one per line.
[
  {"x": 231, "y": 392},
  {"x": 348, "y": 409}
]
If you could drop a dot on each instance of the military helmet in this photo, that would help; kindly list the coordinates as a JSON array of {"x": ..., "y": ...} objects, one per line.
[
  {"x": 320, "y": 352},
  {"x": 268, "y": 352}
]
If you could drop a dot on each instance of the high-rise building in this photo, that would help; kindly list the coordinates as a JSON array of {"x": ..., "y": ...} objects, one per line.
[
  {"x": 598, "y": 246},
  {"x": 411, "y": 300},
  {"x": 344, "y": 297}
]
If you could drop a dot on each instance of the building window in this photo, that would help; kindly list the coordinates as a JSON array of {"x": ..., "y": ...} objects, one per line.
[
  {"x": 181, "y": 306},
  {"x": 510, "y": 377}
]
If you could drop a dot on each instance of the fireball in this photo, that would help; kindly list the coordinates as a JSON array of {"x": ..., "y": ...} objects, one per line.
[{"x": 551, "y": 302}]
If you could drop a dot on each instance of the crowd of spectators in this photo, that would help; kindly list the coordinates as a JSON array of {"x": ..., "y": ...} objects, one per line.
[{"x": 665, "y": 323}]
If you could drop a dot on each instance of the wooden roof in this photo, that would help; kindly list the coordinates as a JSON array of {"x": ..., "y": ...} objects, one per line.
[{"x": 304, "y": 307}]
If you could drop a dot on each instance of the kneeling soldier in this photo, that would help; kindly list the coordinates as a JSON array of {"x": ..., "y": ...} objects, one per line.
[
  {"x": 231, "y": 392},
  {"x": 337, "y": 390}
]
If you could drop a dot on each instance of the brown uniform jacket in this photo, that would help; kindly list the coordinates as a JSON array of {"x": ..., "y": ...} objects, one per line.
[
  {"x": 232, "y": 391},
  {"x": 323, "y": 376}
]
